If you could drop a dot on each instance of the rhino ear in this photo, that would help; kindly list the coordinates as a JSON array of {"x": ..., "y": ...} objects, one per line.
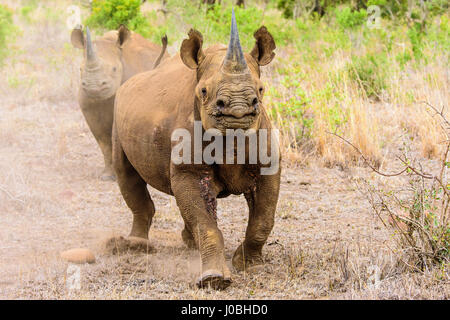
[
  {"x": 264, "y": 46},
  {"x": 77, "y": 38},
  {"x": 191, "y": 49},
  {"x": 123, "y": 35}
]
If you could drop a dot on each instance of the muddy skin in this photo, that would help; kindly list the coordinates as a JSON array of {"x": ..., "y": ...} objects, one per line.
[{"x": 221, "y": 87}]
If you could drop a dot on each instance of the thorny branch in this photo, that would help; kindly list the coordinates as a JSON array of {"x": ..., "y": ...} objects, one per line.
[{"x": 421, "y": 238}]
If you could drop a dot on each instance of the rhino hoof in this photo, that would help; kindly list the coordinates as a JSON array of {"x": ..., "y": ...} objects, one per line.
[
  {"x": 251, "y": 263},
  {"x": 213, "y": 279},
  {"x": 119, "y": 245}
]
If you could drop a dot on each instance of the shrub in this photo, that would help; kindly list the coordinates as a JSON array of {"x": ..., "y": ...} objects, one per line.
[
  {"x": 27, "y": 10},
  {"x": 287, "y": 7},
  {"x": 349, "y": 19},
  {"x": 7, "y": 30},
  {"x": 403, "y": 58},
  {"x": 218, "y": 21},
  {"x": 110, "y": 14},
  {"x": 418, "y": 213},
  {"x": 436, "y": 7},
  {"x": 415, "y": 35},
  {"x": 370, "y": 72}
]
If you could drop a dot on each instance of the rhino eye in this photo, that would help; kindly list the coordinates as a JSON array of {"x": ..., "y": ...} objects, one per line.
[
  {"x": 204, "y": 92},
  {"x": 261, "y": 90},
  {"x": 114, "y": 69}
]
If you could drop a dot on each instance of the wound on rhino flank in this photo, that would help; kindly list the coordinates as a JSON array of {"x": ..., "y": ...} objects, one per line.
[
  {"x": 208, "y": 197},
  {"x": 207, "y": 86}
]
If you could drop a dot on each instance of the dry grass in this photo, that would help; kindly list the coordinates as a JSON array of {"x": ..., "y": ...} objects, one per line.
[{"x": 326, "y": 244}]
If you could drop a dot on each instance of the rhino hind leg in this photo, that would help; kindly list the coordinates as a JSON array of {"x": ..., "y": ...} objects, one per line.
[
  {"x": 135, "y": 193},
  {"x": 121, "y": 245}
]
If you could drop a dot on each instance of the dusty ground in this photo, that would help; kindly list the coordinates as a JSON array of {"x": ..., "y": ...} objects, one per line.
[
  {"x": 52, "y": 200},
  {"x": 325, "y": 244}
]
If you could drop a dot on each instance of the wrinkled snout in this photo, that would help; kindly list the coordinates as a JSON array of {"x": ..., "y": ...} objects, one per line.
[
  {"x": 238, "y": 107},
  {"x": 94, "y": 86}
]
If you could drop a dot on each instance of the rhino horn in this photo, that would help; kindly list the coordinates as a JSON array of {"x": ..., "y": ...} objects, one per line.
[
  {"x": 234, "y": 61},
  {"x": 90, "y": 53}
]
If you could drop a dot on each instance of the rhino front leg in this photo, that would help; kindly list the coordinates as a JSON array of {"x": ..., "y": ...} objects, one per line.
[
  {"x": 196, "y": 199},
  {"x": 262, "y": 204},
  {"x": 99, "y": 118}
]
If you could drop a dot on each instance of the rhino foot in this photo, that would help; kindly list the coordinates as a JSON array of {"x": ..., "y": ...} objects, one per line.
[
  {"x": 250, "y": 262},
  {"x": 119, "y": 245},
  {"x": 214, "y": 279}
]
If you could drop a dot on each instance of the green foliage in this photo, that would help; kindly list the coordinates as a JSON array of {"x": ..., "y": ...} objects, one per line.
[
  {"x": 348, "y": 19},
  {"x": 218, "y": 20},
  {"x": 425, "y": 218},
  {"x": 27, "y": 10},
  {"x": 439, "y": 34},
  {"x": 403, "y": 58},
  {"x": 380, "y": 3},
  {"x": 295, "y": 108},
  {"x": 287, "y": 7},
  {"x": 110, "y": 14},
  {"x": 436, "y": 7},
  {"x": 7, "y": 30},
  {"x": 415, "y": 35},
  {"x": 370, "y": 72}
]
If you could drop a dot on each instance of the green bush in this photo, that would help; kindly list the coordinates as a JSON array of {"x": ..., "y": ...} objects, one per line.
[
  {"x": 110, "y": 14},
  {"x": 415, "y": 35},
  {"x": 287, "y": 7},
  {"x": 403, "y": 58},
  {"x": 370, "y": 72},
  {"x": 218, "y": 21},
  {"x": 7, "y": 30},
  {"x": 436, "y": 7},
  {"x": 347, "y": 19},
  {"x": 438, "y": 35},
  {"x": 28, "y": 9}
]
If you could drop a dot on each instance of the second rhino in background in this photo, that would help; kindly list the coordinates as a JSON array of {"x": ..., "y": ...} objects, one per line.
[{"x": 108, "y": 62}]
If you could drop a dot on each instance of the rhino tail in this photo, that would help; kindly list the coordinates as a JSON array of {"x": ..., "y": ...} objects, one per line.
[{"x": 163, "y": 51}]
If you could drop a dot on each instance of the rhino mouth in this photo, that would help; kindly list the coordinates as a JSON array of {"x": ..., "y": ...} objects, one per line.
[
  {"x": 99, "y": 94},
  {"x": 231, "y": 122}
]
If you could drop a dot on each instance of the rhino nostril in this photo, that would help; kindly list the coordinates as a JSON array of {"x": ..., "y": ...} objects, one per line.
[
  {"x": 220, "y": 104},
  {"x": 104, "y": 83},
  {"x": 255, "y": 104}
]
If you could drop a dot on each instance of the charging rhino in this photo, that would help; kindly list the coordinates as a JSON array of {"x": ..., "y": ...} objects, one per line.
[
  {"x": 216, "y": 89},
  {"x": 108, "y": 62}
]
